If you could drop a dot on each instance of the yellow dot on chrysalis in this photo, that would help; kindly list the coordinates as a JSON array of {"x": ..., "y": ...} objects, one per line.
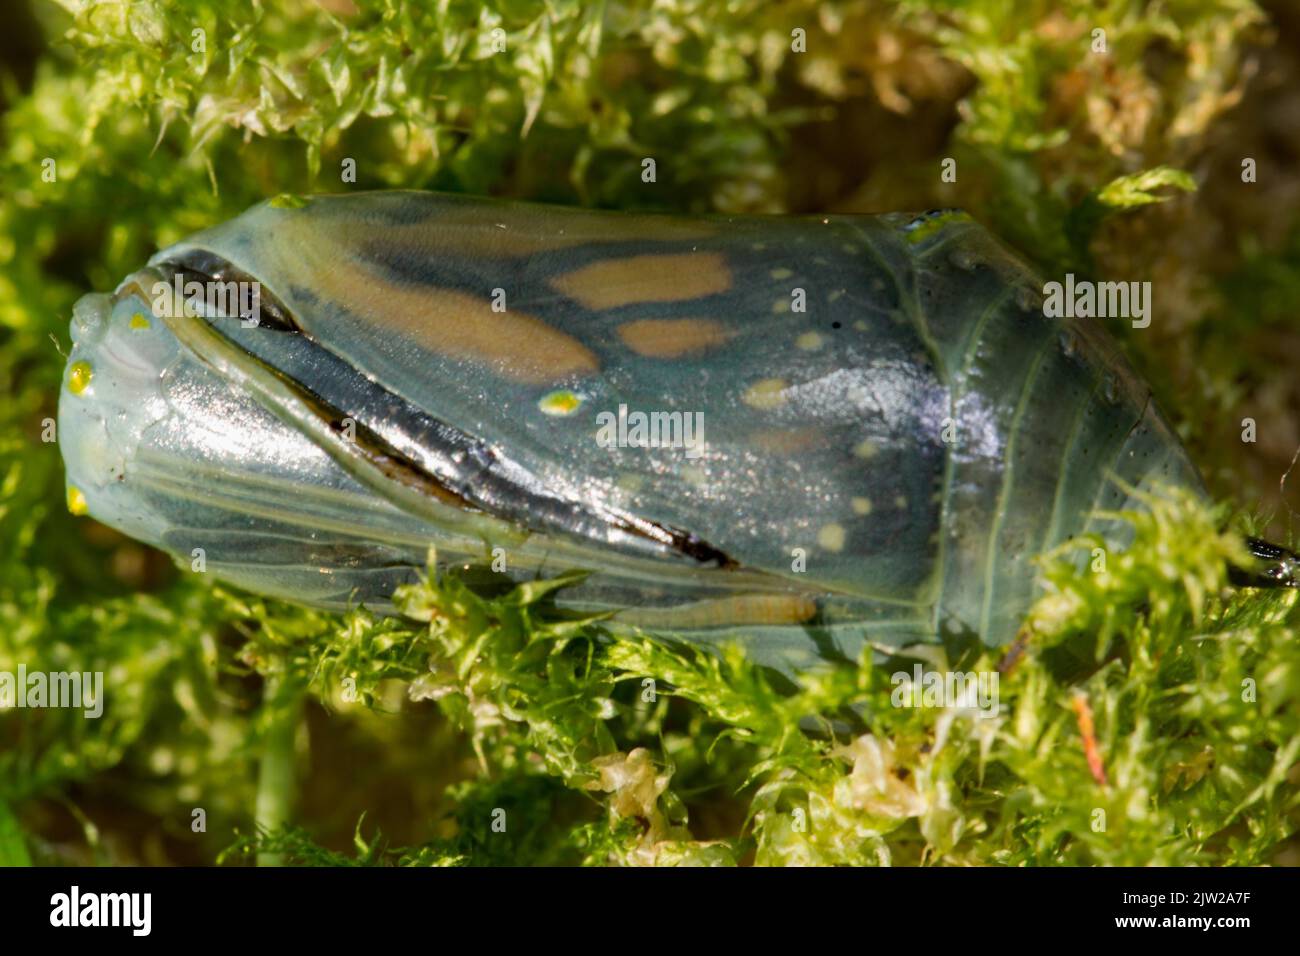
[
  {"x": 79, "y": 377},
  {"x": 139, "y": 321},
  {"x": 809, "y": 341},
  {"x": 288, "y": 201},
  {"x": 831, "y": 537},
  {"x": 76, "y": 501},
  {"x": 866, "y": 450},
  {"x": 861, "y": 506},
  {"x": 765, "y": 394},
  {"x": 560, "y": 403}
]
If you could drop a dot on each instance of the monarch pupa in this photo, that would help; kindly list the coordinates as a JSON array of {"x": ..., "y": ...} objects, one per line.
[{"x": 802, "y": 432}]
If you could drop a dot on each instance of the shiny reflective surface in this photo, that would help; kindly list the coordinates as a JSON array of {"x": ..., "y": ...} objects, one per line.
[{"x": 892, "y": 429}]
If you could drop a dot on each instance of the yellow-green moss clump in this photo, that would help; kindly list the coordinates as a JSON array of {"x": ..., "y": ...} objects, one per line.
[{"x": 1149, "y": 715}]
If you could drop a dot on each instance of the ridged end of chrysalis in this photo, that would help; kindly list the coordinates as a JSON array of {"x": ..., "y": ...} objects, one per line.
[
  {"x": 159, "y": 446},
  {"x": 111, "y": 394}
]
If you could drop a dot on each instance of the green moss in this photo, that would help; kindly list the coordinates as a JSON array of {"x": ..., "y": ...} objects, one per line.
[
  {"x": 495, "y": 712},
  {"x": 1189, "y": 684}
]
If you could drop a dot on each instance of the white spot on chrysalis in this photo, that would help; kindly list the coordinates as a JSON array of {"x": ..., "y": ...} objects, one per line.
[
  {"x": 765, "y": 394},
  {"x": 831, "y": 537}
]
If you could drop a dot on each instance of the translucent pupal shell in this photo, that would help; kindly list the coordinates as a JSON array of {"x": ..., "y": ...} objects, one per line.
[{"x": 803, "y": 432}]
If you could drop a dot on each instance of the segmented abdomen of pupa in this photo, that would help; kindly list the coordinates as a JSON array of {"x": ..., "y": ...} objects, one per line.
[
  {"x": 891, "y": 428},
  {"x": 1046, "y": 425}
]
